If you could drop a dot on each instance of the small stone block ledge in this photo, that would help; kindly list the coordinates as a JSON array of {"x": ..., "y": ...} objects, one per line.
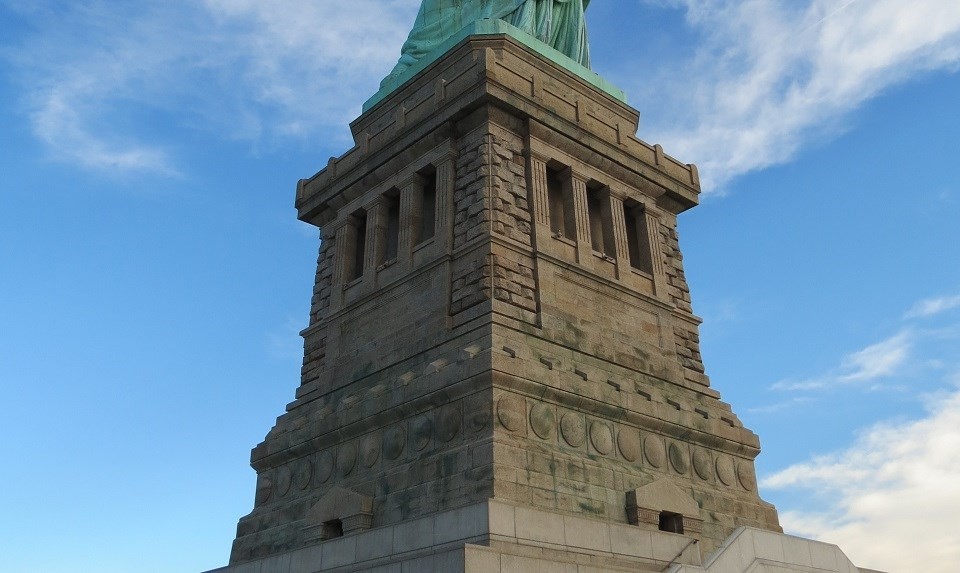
[{"x": 498, "y": 537}]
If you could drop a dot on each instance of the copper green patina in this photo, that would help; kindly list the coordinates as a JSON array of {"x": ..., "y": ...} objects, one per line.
[
  {"x": 557, "y": 23},
  {"x": 555, "y": 28}
]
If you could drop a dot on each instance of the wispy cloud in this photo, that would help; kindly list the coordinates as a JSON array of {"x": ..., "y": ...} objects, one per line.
[
  {"x": 766, "y": 78},
  {"x": 884, "y": 360},
  {"x": 933, "y": 306},
  {"x": 874, "y": 362},
  {"x": 790, "y": 385},
  {"x": 781, "y": 406},
  {"x": 87, "y": 66},
  {"x": 769, "y": 77},
  {"x": 60, "y": 122},
  {"x": 309, "y": 65},
  {"x": 894, "y": 495},
  {"x": 877, "y": 360},
  {"x": 104, "y": 83}
]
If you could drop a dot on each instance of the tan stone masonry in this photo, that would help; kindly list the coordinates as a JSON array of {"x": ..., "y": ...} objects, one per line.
[{"x": 500, "y": 313}]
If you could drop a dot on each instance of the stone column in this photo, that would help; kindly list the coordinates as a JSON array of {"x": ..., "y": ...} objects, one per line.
[
  {"x": 575, "y": 190},
  {"x": 411, "y": 203},
  {"x": 652, "y": 227},
  {"x": 614, "y": 212},
  {"x": 537, "y": 167},
  {"x": 540, "y": 199},
  {"x": 446, "y": 183},
  {"x": 376, "y": 246},
  {"x": 345, "y": 241}
]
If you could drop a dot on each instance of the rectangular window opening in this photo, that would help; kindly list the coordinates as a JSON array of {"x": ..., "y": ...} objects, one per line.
[
  {"x": 638, "y": 239},
  {"x": 600, "y": 214},
  {"x": 360, "y": 246},
  {"x": 428, "y": 206},
  {"x": 393, "y": 227},
  {"x": 560, "y": 203},
  {"x": 671, "y": 522},
  {"x": 594, "y": 211},
  {"x": 333, "y": 529}
]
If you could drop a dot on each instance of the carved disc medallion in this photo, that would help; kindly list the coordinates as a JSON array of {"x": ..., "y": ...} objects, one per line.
[
  {"x": 422, "y": 431},
  {"x": 702, "y": 464},
  {"x": 478, "y": 419},
  {"x": 542, "y": 420},
  {"x": 394, "y": 442},
  {"x": 628, "y": 441},
  {"x": 745, "y": 476},
  {"x": 725, "y": 470},
  {"x": 324, "y": 466},
  {"x": 601, "y": 438},
  {"x": 302, "y": 473},
  {"x": 510, "y": 413},
  {"x": 370, "y": 450},
  {"x": 264, "y": 489},
  {"x": 678, "y": 458},
  {"x": 654, "y": 451},
  {"x": 573, "y": 430},
  {"x": 448, "y": 423},
  {"x": 283, "y": 480},
  {"x": 346, "y": 458}
]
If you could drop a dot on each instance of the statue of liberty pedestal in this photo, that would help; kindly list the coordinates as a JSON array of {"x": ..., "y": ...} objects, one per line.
[
  {"x": 557, "y": 23},
  {"x": 498, "y": 258}
]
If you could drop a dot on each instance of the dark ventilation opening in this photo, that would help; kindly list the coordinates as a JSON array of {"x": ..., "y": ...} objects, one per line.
[
  {"x": 595, "y": 214},
  {"x": 562, "y": 216},
  {"x": 361, "y": 246},
  {"x": 334, "y": 528},
  {"x": 638, "y": 240},
  {"x": 428, "y": 209},
  {"x": 671, "y": 522},
  {"x": 393, "y": 226}
]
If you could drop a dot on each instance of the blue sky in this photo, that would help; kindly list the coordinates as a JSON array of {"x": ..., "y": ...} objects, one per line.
[{"x": 154, "y": 276}]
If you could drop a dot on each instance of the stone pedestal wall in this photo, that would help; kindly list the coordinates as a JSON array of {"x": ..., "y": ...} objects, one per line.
[{"x": 500, "y": 312}]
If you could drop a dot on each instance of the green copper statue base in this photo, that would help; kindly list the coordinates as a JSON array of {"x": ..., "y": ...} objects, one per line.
[{"x": 494, "y": 27}]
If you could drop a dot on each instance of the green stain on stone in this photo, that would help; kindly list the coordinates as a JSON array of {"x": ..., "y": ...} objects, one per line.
[{"x": 590, "y": 509}]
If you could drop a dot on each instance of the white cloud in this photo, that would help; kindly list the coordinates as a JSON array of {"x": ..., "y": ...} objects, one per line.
[
  {"x": 79, "y": 77},
  {"x": 894, "y": 494},
  {"x": 58, "y": 120},
  {"x": 310, "y": 65},
  {"x": 933, "y": 306},
  {"x": 875, "y": 362},
  {"x": 781, "y": 406},
  {"x": 926, "y": 349},
  {"x": 98, "y": 76},
  {"x": 103, "y": 81},
  {"x": 770, "y": 76},
  {"x": 766, "y": 77},
  {"x": 803, "y": 385}
]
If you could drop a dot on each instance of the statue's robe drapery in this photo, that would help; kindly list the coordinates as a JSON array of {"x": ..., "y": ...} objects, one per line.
[{"x": 557, "y": 23}]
